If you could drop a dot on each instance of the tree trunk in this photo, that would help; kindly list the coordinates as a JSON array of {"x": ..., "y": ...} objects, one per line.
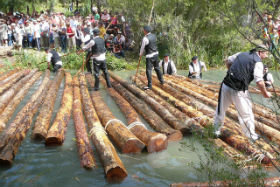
[
  {"x": 149, "y": 115},
  {"x": 77, "y": 4},
  {"x": 9, "y": 110},
  {"x": 43, "y": 120},
  {"x": 16, "y": 132},
  {"x": 163, "y": 112},
  {"x": 10, "y": 81},
  {"x": 113, "y": 166},
  {"x": 154, "y": 141},
  {"x": 9, "y": 94},
  {"x": 7, "y": 74},
  {"x": 56, "y": 134},
  {"x": 126, "y": 140},
  {"x": 84, "y": 147}
]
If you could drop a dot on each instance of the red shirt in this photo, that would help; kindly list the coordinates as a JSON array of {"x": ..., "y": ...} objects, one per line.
[{"x": 69, "y": 30}]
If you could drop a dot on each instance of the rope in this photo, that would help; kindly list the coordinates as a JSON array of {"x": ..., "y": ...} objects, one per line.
[
  {"x": 135, "y": 123},
  {"x": 93, "y": 130},
  {"x": 114, "y": 120}
]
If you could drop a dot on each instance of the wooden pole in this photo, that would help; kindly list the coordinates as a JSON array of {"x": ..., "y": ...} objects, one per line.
[
  {"x": 43, "y": 120},
  {"x": 125, "y": 140},
  {"x": 113, "y": 166},
  {"x": 16, "y": 132},
  {"x": 84, "y": 148},
  {"x": 56, "y": 133}
]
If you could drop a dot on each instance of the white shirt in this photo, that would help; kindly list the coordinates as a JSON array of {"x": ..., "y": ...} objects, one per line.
[
  {"x": 197, "y": 68},
  {"x": 49, "y": 57},
  {"x": 37, "y": 31},
  {"x": 99, "y": 57},
  {"x": 165, "y": 66},
  {"x": 145, "y": 42}
]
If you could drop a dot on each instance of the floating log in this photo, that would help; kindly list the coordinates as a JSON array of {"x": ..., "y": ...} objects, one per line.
[
  {"x": 121, "y": 135},
  {"x": 149, "y": 115},
  {"x": 43, "y": 120},
  {"x": 16, "y": 132},
  {"x": 154, "y": 141},
  {"x": 113, "y": 166},
  {"x": 84, "y": 147},
  {"x": 269, "y": 182},
  {"x": 7, "y": 74},
  {"x": 56, "y": 134},
  {"x": 9, "y": 94},
  {"x": 163, "y": 112},
  {"x": 8, "y": 111}
]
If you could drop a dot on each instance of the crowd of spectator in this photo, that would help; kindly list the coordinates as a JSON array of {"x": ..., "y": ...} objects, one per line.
[{"x": 55, "y": 30}]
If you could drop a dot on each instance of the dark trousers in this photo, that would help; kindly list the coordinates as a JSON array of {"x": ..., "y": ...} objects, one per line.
[
  {"x": 97, "y": 66},
  {"x": 88, "y": 65},
  {"x": 63, "y": 43},
  {"x": 150, "y": 63},
  {"x": 56, "y": 68}
]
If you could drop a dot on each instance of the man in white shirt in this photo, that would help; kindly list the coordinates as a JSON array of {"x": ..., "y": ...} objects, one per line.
[
  {"x": 53, "y": 58},
  {"x": 168, "y": 66},
  {"x": 37, "y": 35},
  {"x": 267, "y": 77},
  {"x": 245, "y": 67},
  {"x": 195, "y": 68}
]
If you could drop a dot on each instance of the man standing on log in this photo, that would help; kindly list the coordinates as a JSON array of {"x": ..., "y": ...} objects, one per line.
[
  {"x": 98, "y": 51},
  {"x": 149, "y": 44},
  {"x": 54, "y": 58},
  {"x": 195, "y": 68},
  {"x": 244, "y": 68},
  {"x": 168, "y": 66}
]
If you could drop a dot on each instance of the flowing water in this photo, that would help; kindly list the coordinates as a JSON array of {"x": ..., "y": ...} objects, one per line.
[{"x": 38, "y": 165}]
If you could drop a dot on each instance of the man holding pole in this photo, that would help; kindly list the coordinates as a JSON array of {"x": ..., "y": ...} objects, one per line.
[{"x": 149, "y": 44}]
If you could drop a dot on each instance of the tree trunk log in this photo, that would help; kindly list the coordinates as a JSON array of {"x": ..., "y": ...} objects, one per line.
[
  {"x": 56, "y": 134},
  {"x": 11, "y": 80},
  {"x": 126, "y": 140},
  {"x": 7, "y": 74},
  {"x": 84, "y": 147},
  {"x": 163, "y": 112},
  {"x": 154, "y": 141},
  {"x": 43, "y": 120},
  {"x": 113, "y": 166},
  {"x": 9, "y": 110},
  {"x": 9, "y": 94},
  {"x": 16, "y": 132},
  {"x": 148, "y": 114}
]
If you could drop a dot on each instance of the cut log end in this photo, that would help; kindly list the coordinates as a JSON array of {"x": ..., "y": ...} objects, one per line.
[
  {"x": 53, "y": 141},
  {"x": 157, "y": 143},
  {"x": 175, "y": 136},
  {"x": 6, "y": 162},
  {"x": 2, "y": 126},
  {"x": 133, "y": 145},
  {"x": 116, "y": 174},
  {"x": 38, "y": 136}
]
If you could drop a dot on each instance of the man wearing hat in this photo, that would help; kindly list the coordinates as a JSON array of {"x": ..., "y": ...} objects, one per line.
[
  {"x": 195, "y": 68},
  {"x": 98, "y": 51},
  {"x": 53, "y": 58},
  {"x": 86, "y": 38},
  {"x": 245, "y": 67},
  {"x": 168, "y": 66},
  {"x": 149, "y": 45},
  {"x": 267, "y": 77}
]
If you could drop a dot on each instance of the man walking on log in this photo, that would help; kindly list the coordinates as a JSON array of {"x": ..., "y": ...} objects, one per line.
[
  {"x": 149, "y": 44},
  {"x": 98, "y": 51},
  {"x": 244, "y": 68},
  {"x": 85, "y": 40},
  {"x": 54, "y": 58}
]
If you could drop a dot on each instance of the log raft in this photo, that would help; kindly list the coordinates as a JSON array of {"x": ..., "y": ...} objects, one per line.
[
  {"x": 84, "y": 148},
  {"x": 9, "y": 110},
  {"x": 56, "y": 134},
  {"x": 43, "y": 120},
  {"x": 16, "y": 132},
  {"x": 11, "y": 80},
  {"x": 124, "y": 138},
  {"x": 149, "y": 115},
  {"x": 7, "y": 74},
  {"x": 154, "y": 141},
  {"x": 112, "y": 164}
]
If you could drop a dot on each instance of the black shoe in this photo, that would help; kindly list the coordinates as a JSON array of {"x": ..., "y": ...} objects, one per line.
[
  {"x": 147, "y": 88},
  {"x": 95, "y": 89},
  {"x": 162, "y": 82}
]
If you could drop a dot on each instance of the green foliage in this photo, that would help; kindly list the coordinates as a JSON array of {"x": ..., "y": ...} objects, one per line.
[
  {"x": 72, "y": 60},
  {"x": 114, "y": 63},
  {"x": 31, "y": 60}
]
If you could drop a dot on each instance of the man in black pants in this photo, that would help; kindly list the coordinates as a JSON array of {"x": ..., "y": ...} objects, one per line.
[
  {"x": 98, "y": 51},
  {"x": 54, "y": 58},
  {"x": 149, "y": 44}
]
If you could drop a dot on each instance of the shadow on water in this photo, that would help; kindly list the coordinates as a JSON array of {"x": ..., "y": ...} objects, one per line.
[{"x": 38, "y": 165}]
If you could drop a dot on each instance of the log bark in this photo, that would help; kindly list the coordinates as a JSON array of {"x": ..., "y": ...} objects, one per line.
[
  {"x": 56, "y": 134},
  {"x": 7, "y": 74},
  {"x": 9, "y": 94},
  {"x": 9, "y": 110},
  {"x": 11, "y": 80},
  {"x": 149, "y": 115},
  {"x": 163, "y": 112},
  {"x": 113, "y": 166},
  {"x": 84, "y": 148},
  {"x": 269, "y": 182},
  {"x": 16, "y": 132},
  {"x": 43, "y": 120},
  {"x": 154, "y": 141},
  {"x": 125, "y": 140}
]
